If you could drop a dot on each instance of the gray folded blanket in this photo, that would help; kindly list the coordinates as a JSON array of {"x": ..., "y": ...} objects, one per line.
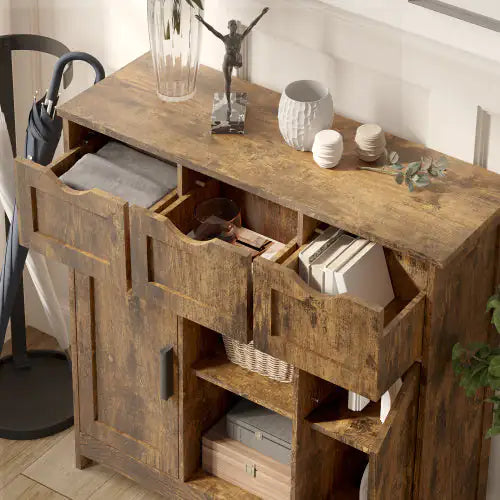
[{"x": 124, "y": 172}]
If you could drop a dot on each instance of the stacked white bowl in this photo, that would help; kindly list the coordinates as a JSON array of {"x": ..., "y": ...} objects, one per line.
[
  {"x": 370, "y": 142},
  {"x": 328, "y": 148}
]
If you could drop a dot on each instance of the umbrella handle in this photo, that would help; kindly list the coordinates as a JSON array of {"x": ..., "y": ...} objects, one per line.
[{"x": 55, "y": 84}]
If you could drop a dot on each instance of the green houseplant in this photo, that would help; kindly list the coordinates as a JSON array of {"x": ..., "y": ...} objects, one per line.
[{"x": 478, "y": 365}]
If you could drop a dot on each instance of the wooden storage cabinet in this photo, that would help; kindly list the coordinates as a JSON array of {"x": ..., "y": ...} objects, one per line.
[
  {"x": 359, "y": 346},
  {"x": 139, "y": 284}
]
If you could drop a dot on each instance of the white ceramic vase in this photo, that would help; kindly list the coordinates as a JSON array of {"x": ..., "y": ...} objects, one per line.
[{"x": 306, "y": 107}]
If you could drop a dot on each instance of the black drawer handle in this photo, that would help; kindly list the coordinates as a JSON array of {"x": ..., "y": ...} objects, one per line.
[{"x": 167, "y": 372}]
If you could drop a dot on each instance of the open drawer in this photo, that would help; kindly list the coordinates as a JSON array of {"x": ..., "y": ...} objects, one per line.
[
  {"x": 85, "y": 230},
  {"x": 341, "y": 339},
  {"x": 207, "y": 282}
]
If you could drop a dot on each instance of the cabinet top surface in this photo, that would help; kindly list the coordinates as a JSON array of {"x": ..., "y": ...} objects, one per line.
[{"x": 433, "y": 224}]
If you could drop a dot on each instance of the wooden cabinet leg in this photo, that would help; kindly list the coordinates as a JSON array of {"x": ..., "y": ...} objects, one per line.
[{"x": 81, "y": 462}]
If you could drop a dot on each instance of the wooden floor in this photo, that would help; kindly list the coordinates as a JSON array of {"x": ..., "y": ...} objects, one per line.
[{"x": 44, "y": 469}]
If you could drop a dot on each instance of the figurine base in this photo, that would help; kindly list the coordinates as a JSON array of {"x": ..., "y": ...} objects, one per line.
[{"x": 225, "y": 121}]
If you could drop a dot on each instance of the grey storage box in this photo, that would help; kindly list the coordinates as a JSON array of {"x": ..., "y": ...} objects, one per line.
[{"x": 261, "y": 429}]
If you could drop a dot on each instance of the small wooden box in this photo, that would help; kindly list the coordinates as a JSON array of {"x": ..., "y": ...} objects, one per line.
[
  {"x": 261, "y": 429},
  {"x": 240, "y": 465}
]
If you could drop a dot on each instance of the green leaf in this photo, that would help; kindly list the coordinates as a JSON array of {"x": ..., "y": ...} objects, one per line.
[
  {"x": 494, "y": 383},
  {"x": 199, "y": 3},
  {"x": 413, "y": 168},
  {"x": 400, "y": 178},
  {"x": 494, "y": 369},
  {"x": 426, "y": 163},
  {"x": 496, "y": 319},
  {"x": 441, "y": 163},
  {"x": 494, "y": 431},
  {"x": 393, "y": 157},
  {"x": 493, "y": 303},
  {"x": 457, "y": 351},
  {"x": 411, "y": 186},
  {"x": 421, "y": 180},
  {"x": 397, "y": 166}
]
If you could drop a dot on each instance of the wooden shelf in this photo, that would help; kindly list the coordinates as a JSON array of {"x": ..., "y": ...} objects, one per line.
[
  {"x": 215, "y": 487},
  {"x": 273, "y": 395},
  {"x": 357, "y": 429}
]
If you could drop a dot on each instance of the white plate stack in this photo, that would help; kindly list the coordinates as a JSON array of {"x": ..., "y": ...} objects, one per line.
[
  {"x": 370, "y": 142},
  {"x": 328, "y": 148}
]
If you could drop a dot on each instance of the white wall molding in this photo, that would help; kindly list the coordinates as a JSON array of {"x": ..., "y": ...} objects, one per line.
[
  {"x": 481, "y": 148},
  {"x": 459, "y": 13}
]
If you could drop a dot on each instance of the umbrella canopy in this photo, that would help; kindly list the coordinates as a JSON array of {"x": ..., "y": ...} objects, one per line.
[{"x": 42, "y": 134}]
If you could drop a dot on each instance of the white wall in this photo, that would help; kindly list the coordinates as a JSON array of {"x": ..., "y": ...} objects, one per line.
[{"x": 419, "y": 74}]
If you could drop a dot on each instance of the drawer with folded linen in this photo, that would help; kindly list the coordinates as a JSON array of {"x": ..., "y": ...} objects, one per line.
[
  {"x": 75, "y": 210},
  {"x": 207, "y": 280},
  {"x": 313, "y": 319}
]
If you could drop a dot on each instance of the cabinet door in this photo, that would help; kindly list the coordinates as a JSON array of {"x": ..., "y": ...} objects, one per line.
[{"x": 121, "y": 402}]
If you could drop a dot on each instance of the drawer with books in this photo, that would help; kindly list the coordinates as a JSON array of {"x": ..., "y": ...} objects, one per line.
[
  {"x": 67, "y": 211},
  {"x": 206, "y": 281},
  {"x": 342, "y": 308}
]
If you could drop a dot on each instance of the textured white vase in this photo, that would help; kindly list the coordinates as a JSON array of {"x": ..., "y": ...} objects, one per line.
[{"x": 306, "y": 107}]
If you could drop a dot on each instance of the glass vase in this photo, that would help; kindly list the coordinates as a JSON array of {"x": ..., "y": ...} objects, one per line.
[{"x": 174, "y": 34}]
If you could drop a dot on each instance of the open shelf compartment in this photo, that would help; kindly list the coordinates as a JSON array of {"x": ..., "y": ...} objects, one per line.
[
  {"x": 388, "y": 447},
  {"x": 276, "y": 396}
]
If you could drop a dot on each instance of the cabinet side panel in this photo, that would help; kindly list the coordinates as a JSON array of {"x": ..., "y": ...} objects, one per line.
[{"x": 451, "y": 432}]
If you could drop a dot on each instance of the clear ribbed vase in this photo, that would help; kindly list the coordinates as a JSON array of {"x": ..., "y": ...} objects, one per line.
[{"x": 174, "y": 34}]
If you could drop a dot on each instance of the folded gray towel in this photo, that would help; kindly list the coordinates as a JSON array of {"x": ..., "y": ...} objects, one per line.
[{"x": 124, "y": 172}]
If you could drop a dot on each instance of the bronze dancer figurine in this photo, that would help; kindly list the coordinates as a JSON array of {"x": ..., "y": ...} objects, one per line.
[{"x": 232, "y": 41}]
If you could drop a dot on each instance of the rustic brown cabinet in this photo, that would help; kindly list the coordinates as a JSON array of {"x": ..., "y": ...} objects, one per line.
[{"x": 140, "y": 285}]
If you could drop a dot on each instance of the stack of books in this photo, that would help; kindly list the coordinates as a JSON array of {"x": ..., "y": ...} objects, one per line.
[{"x": 337, "y": 262}]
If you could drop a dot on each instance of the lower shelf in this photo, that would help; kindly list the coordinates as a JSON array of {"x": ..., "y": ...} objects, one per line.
[
  {"x": 216, "y": 488},
  {"x": 357, "y": 429},
  {"x": 275, "y": 396}
]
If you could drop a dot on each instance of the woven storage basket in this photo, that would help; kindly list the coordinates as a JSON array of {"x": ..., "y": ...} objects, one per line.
[{"x": 246, "y": 356}]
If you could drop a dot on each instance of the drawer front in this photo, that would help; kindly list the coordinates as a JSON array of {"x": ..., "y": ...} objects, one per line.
[
  {"x": 337, "y": 338},
  {"x": 82, "y": 229},
  {"x": 205, "y": 282}
]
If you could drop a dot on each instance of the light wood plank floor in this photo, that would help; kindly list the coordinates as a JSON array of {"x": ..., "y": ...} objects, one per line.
[{"x": 44, "y": 469}]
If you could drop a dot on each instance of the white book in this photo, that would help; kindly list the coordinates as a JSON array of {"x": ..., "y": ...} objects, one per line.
[
  {"x": 312, "y": 251},
  {"x": 366, "y": 276},
  {"x": 340, "y": 244},
  {"x": 329, "y": 284},
  {"x": 388, "y": 399},
  {"x": 356, "y": 402}
]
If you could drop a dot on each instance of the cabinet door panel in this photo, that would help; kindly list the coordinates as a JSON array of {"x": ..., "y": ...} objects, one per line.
[{"x": 119, "y": 367}]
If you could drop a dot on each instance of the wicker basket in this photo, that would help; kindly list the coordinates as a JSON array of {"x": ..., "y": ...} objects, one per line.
[{"x": 246, "y": 356}]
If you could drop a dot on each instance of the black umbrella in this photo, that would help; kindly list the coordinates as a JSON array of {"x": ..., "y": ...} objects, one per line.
[{"x": 45, "y": 377}]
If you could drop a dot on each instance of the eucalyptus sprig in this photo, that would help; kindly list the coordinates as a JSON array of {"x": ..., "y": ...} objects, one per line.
[
  {"x": 417, "y": 174},
  {"x": 176, "y": 16},
  {"x": 478, "y": 365}
]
